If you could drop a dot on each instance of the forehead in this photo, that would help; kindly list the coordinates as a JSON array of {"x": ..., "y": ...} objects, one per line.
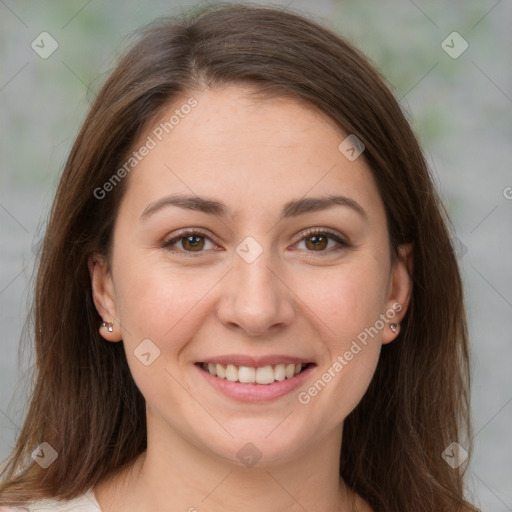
[{"x": 254, "y": 154}]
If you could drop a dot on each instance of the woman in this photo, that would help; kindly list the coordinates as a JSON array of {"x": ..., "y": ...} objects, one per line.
[{"x": 247, "y": 294}]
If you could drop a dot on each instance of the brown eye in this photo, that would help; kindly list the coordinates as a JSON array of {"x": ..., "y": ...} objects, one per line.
[
  {"x": 322, "y": 241},
  {"x": 189, "y": 242},
  {"x": 316, "y": 242},
  {"x": 192, "y": 242}
]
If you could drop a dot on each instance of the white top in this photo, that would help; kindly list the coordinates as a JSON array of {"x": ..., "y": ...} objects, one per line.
[{"x": 85, "y": 503}]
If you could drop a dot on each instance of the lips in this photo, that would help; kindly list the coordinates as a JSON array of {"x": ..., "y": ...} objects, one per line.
[
  {"x": 255, "y": 379},
  {"x": 267, "y": 374}
]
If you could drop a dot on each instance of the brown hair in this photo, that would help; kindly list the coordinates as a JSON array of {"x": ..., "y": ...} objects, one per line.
[{"x": 85, "y": 403}]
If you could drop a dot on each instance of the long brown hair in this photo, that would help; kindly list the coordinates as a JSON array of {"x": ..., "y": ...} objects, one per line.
[{"x": 85, "y": 403}]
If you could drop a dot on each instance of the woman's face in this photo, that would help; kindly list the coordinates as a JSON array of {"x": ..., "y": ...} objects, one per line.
[{"x": 227, "y": 250}]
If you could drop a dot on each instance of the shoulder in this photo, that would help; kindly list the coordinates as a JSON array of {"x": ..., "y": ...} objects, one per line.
[{"x": 84, "y": 503}]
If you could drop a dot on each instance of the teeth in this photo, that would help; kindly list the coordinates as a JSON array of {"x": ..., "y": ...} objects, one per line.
[
  {"x": 280, "y": 372},
  {"x": 221, "y": 371},
  {"x": 248, "y": 375},
  {"x": 231, "y": 373},
  {"x": 290, "y": 371},
  {"x": 265, "y": 375}
]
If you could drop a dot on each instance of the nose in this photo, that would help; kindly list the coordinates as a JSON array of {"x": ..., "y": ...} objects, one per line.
[{"x": 256, "y": 299}]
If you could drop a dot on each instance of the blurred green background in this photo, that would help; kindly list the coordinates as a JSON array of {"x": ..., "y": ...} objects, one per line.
[{"x": 460, "y": 108}]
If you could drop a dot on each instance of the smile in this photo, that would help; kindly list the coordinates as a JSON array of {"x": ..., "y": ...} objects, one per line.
[
  {"x": 254, "y": 375},
  {"x": 248, "y": 379}
]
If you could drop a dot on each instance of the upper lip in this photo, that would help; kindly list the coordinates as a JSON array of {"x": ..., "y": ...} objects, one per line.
[{"x": 255, "y": 362}]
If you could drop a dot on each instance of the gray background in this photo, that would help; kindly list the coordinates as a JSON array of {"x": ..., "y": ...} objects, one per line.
[{"x": 460, "y": 108}]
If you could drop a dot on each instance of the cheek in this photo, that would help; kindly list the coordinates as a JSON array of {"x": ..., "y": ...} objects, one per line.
[
  {"x": 345, "y": 300},
  {"x": 165, "y": 307},
  {"x": 348, "y": 303},
  {"x": 155, "y": 299}
]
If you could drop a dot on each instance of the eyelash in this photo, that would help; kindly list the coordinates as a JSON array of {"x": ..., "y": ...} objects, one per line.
[{"x": 342, "y": 244}]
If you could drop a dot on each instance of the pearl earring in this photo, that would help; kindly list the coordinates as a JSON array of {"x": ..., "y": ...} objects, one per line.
[
  {"x": 394, "y": 327},
  {"x": 108, "y": 325}
]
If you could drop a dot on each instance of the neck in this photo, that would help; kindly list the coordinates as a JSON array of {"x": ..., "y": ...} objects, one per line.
[{"x": 178, "y": 475}]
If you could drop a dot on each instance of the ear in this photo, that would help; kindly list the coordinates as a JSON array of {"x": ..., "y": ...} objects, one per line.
[
  {"x": 400, "y": 290},
  {"x": 104, "y": 297}
]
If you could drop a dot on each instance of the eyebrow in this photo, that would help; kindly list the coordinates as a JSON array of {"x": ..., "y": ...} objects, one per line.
[{"x": 292, "y": 208}]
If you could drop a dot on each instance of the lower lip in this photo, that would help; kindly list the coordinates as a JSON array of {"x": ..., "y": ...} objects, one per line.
[{"x": 255, "y": 392}]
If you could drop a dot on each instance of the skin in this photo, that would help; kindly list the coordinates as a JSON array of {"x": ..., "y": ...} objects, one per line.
[{"x": 294, "y": 299}]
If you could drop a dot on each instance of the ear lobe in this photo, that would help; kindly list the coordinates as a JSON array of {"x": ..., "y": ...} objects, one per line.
[
  {"x": 104, "y": 298},
  {"x": 400, "y": 289}
]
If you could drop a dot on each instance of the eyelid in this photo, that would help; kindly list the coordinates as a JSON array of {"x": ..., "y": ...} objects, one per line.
[
  {"x": 341, "y": 239},
  {"x": 190, "y": 231}
]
